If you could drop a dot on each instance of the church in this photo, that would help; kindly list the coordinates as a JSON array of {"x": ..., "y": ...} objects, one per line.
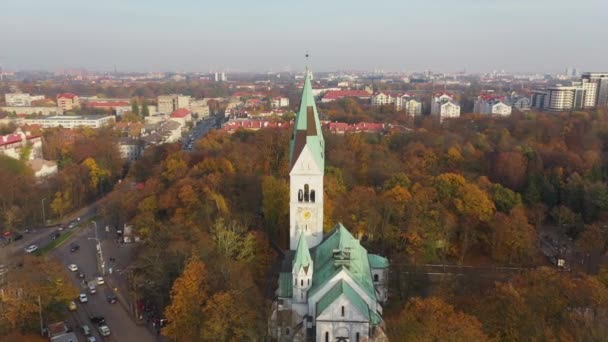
[{"x": 330, "y": 287}]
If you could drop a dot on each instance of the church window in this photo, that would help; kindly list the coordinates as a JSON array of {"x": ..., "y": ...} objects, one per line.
[
  {"x": 342, "y": 310},
  {"x": 300, "y": 195},
  {"x": 308, "y": 281},
  {"x": 357, "y": 337},
  {"x": 376, "y": 278},
  {"x": 306, "y": 193},
  {"x": 326, "y": 336},
  {"x": 302, "y": 282},
  {"x": 312, "y": 196},
  {"x": 306, "y": 227}
]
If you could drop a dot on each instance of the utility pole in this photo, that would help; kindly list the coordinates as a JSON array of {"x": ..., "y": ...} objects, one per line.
[{"x": 43, "y": 213}]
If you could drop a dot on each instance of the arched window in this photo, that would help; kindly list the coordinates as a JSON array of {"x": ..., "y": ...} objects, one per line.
[
  {"x": 376, "y": 278},
  {"x": 302, "y": 282},
  {"x": 308, "y": 281},
  {"x": 300, "y": 195},
  {"x": 343, "y": 311},
  {"x": 326, "y": 336},
  {"x": 357, "y": 338},
  {"x": 312, "y": 196},
  {"x": 306, "y": 193}
]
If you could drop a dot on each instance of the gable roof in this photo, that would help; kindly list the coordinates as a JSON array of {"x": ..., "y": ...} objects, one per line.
[
  {"x": 341, "y": 251},
  {"x": 307, "y": 129},
  {"x": 342, "y": 288},
  {"x": 302, "y": 258}
]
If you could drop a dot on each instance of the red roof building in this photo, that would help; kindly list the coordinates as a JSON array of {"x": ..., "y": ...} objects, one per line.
[
  {"x": 339, "y": 94},
  {"x": 180, "y": 113}
]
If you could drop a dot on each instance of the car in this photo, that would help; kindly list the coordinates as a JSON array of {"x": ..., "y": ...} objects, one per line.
[
  {"x": 72, "y": 224},
  {"x": 80, "y": 275},
  {"x": 104, "y": 330},
  {"x": 73, "y": 267},
  {"x": 91, "y": 339},
  {"x": 86, "y": 330},
  {"x": 17, "y": 237},
  {"x": 55, "y": 235},
  {"x": 83, "y": 298},
  {"x": 99, "y": 320},
  {"x": 92, "y": 289},
  {"x": 100, "y": 280},
  {"x": 74, "y": 247},
  {"x": 31, "y": 248},
  {"x": 72, "y": 306},
  {"x": 112, "y": 299}
]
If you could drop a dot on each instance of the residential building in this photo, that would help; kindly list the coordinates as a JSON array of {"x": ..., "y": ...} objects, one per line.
[
  {"x": 171, "y": 103},
  {"x": 31, "y": 110},
  {"x": 382, "y": 99},
  {"x": 491, "y": 104},
  {"x": 280, "y": 102},
  {"x": 21, "y": 99},
  {"x": 130, "y": 149},
  {"x": 410, "y": 105},
  {"x": 200, "y": 108},
  {"x": 330, "y": 287},
  {"x": 601, "y": 89},
  {"x": 181, "y": 116},
  {"x": 521, "y": 103},
  {"x": 159, "y": 133},
  {"x": 118, "y": 106},
  {"x": 72, "y": 121},
  {"x": 444, "y": 107},
  {"x": 14, "y": 145},
  {"x": 559, "y": 98},
  {"x": 252, "y": 125},
  {"x": 333, "y": 95},
  {"x": 67, "y": 101}
]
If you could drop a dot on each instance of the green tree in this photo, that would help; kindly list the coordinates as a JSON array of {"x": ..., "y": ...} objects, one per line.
[
  {"x": 275, "y": 204},
  {"x": 61, "y": 203},
  {"x": 145, "y": 111},
  {"x": 134, "y": 107}
]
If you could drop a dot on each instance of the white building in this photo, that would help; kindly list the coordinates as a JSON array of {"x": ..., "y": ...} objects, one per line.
[
  {"x": 382, "y": 99},
  {"x": 330, "y": 287},
  {"x": 559, "y": 98},
  {"x": 72, "y": 121},
  {"x": 280, "y": 102},
  {"x": 21, "y": 99},
  {"x": 13, "y": 145},
  {"x": 200, "y": 108},
  {"x": 444, "y": 107},
  {"x": 491, "y": 105},
  {"x": 601, "y": 88},
  {"x": 170, "y": 103},
  {"x": 130, "y": 149},
  {"x": 28, "y": 110},
  {"x": 404, "y": 102}
]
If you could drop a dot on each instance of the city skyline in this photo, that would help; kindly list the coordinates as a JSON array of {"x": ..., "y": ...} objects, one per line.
[{"x": 472, "y": 35}]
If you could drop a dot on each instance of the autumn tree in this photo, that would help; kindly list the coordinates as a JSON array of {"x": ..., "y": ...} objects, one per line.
[
  {"x": 188, "y": 297},
  {"x": 275, "y": 204},
  {"x": 432, "y": 319},
  {"x": 61, "y": 203},
  {"x": 513, "y": 239}
]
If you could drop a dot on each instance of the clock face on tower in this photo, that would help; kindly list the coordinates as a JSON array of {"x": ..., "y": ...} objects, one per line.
[{"x": 306, "y": 218}]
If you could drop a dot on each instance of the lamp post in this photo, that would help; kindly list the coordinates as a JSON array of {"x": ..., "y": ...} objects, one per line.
[
  {"x": 43, "y": 213},
  {"x": 100, "y": 263}
]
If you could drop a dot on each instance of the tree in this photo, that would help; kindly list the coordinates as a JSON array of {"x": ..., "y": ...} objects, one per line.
[
  {"x": 134, "y": 107},
  {"x": 145, "y": 111},
  {"x": 275, "y": 204},
  {"x": 513, "y": 239},
  {"x": 432, "y": 320},
  {"x": 228, "y": 319},
  {"x": 61, "y": 203},
  {"x": 188, "y": 297}
]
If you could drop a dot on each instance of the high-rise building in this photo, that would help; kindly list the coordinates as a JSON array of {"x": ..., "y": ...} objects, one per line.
[
  {"x": 559, "y": 98},
  {"x": 601, "y": 81},
  {"x": 330, "y": 287}
]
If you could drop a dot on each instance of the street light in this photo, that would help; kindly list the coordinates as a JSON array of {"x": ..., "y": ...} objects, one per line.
[{"x": 43, "y": 213}]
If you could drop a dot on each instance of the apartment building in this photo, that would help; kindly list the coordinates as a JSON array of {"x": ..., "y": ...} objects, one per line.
[
  {"x": 600, "y": 79},
  {"x": 491, "y": 104},
  {"x": 444, "y": 107},
  {"x": 200, "y": 108},
  {"x": 67, "y": 101},
  {"x": 559, "y": 98},
  {"x": 72, "y": 121},
  {"x": 404, "y": 102},
  {"x": 173, "y": 102},
  {"x": 21, "y": 99}
]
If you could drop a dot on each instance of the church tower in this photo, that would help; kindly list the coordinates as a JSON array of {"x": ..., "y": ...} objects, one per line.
[{"x": 307, "y": 165}]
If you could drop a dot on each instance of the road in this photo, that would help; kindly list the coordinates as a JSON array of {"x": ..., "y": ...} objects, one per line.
[
  {"x": 117, "y": 318},
  {"x": 198, "y": 131}
]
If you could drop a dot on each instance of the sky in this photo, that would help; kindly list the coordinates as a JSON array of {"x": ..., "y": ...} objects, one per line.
[{"x": 274, "y": 35}]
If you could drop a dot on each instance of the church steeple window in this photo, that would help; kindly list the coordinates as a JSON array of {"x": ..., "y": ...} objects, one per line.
[
  {"x": 300, "y": 195},
  {"x": 306, "y": 193},
  {"x": 312, "y": 196}
]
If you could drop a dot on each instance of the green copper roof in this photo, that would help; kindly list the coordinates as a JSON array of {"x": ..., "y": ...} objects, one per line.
[
  {"x": 302, "y": 258},
  {"x": 376, "y": 261},
  {"x": 307, "y": 128},
  {"x": 340, "y": 288},
  {"x": 341, "y": 251},
  {"x": 285, "y": 285}
]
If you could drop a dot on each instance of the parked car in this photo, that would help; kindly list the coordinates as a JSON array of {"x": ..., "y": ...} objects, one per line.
[
  {"x": 72, "y": 224},
  {"x": 72, "y": 306},
  {"x": 55, "y": 235},
  {"x": 83, "y": 298},
  {"x": 100, "y": 281},
  {"x": 31, "y": 248},
  {"x": 98, "y": 320},
  {"x": 74, "y": 247},
  {"x": 104, "y": 330},
  {"x": 80, "y": 275},
  {"x": 73, "y": 267},
  {"x": 85, "y": 330},
  {"x": 92, "y": 289},
  {"x": 91, "y": 339}
]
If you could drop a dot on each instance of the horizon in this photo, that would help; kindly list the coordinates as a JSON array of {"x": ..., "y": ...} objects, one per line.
[{"x": 187, "y": 36}]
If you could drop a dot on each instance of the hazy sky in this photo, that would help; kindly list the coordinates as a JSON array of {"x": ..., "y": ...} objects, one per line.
[{"x": 251, "y": 35}]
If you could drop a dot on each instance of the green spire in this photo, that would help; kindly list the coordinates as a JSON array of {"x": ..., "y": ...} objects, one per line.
[
  {"x": 302, "y": 257},
  {"x": 307, "y": 128}
]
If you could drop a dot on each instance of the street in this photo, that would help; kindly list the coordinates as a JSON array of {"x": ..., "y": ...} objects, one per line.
[
  {"x": 122, "y": 326},
  {"x": 198, "y": 131}
]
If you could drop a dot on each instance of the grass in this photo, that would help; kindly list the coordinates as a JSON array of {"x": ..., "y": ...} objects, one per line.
[{"x": 55, "y": 243}]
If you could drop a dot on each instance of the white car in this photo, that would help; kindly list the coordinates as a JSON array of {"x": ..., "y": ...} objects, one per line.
[
  {"x": 100, "y": 281},
  {"x": 104, "y": 330},
  {"x": 92, "y": 289},
  {"x": 91, "y": 339},
  {"x": 83, "y": 298},
  {"x": 31, "y": 248},
  {"x": 73, "y": 267}
]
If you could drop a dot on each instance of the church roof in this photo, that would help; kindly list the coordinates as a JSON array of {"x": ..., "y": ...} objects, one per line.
[
  {"x": 307, "y": 128},
  {"x": 376, "y": 261},
  {"x": 340, "y": 288},
  {"x": 341, "y": 251},
  {"x": 285, "y": 285},
  {"x": 302, "y": 257}
]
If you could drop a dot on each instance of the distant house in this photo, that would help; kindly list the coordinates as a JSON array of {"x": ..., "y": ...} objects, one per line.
[
  {"x": 67, "y": 101},
  {"x": 334, "y": 95},
  {"x": 280, "y": 102},
  {"x": 130, "y": 149},
  {"x": 12, "y": 145},
  {"x": 444, "y": 107},
  {"x": 118, "y": 106},
  {"x": 491, "y": 104},
  {"x": 252, "y": 125},
  {"x": 181, "y": 116},
  {"x": 361, "y": 127}
]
